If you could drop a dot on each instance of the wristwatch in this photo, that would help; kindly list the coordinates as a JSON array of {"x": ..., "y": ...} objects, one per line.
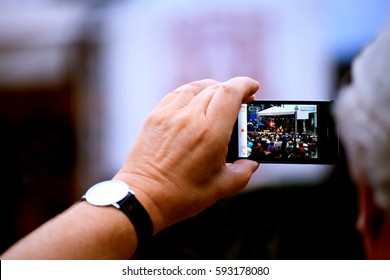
[{"x": 118, "y": 194}]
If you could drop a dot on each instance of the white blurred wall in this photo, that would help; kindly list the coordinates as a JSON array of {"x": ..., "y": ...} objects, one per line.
[{"x": 152, "y": 47}]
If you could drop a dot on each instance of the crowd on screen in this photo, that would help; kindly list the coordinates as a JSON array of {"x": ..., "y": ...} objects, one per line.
[{"x": 275, "y": 143}]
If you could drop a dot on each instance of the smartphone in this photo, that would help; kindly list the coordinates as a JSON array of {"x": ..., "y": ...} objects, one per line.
[{"x": 274, "y": 131}]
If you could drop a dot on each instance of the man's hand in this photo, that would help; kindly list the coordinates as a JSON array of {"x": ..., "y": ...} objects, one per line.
[{"x": 177, "y": 166}]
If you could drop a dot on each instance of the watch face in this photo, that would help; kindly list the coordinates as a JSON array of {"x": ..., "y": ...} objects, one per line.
[{"x": 107, "y": 193}]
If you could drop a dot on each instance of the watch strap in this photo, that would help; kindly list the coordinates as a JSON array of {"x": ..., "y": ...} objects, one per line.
[{"x": 139, "y": 217}]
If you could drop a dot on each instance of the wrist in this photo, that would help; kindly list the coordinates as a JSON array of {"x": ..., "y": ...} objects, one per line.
[
  {"x": 118, "y": 194},
  {"x": 145, "y": 198}
]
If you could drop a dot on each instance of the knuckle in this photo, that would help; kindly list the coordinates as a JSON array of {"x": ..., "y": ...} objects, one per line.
[{"x": 227, "y": 89}]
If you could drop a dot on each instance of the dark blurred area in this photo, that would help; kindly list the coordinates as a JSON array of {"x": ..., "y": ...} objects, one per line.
[
  {"x": 45, "y": 54},
  {"x": 38, "y": 156},
  {"x": 293, "y": 222}
]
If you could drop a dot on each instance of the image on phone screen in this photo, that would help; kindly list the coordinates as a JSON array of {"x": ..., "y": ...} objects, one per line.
[{"x": 285, "y": 132}]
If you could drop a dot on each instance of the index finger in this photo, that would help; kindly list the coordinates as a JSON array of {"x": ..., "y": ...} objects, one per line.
[
  {"x": 228, "y": 98},
  {"x": 183, "y": 94}
]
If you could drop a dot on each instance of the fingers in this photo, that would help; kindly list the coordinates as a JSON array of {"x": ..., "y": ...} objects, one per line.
[
  {"x": 237, "y": 90},
  {"x": 249, "y": 99},
  {"x": 231, "y": 95},
  {"x": 242, "y": 89},
  {"x": 185, "y": 93},
  {"x": 221, "y": 102},
  {"x": 217, "y": 102}
]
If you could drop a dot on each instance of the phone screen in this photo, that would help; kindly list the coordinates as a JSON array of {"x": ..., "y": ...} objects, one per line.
[{"x": 284, "y": 132}]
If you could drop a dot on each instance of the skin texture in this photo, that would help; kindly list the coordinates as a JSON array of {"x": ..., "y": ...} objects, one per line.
[
  {"x": 182, "y": 149},
  {"x": 176, "y": 167}
]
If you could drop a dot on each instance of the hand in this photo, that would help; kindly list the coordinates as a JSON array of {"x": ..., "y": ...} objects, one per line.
[{"x": 177, "y": 165}]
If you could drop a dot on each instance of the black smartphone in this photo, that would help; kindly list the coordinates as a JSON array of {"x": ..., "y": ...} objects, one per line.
[{"x": 271, "y": 131}]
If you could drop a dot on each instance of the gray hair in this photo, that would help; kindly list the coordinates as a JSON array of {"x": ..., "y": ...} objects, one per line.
[{"x": 363, "y": 116}]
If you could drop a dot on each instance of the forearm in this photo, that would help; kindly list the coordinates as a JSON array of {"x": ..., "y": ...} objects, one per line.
[{"x": 82, "y": 232}]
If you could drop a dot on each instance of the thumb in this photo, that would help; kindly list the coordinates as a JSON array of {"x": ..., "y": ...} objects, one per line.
[{"x": 241, "y": 171}]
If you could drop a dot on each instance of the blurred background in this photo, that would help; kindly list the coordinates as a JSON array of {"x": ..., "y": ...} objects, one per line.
[{"x": 77, "y": 79}]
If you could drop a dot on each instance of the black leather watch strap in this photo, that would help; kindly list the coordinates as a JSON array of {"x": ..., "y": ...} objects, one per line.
[{"x": 138, "y": 216}]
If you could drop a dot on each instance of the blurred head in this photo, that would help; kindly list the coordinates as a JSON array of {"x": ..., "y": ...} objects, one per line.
[{"x": 363, "y": 116}]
